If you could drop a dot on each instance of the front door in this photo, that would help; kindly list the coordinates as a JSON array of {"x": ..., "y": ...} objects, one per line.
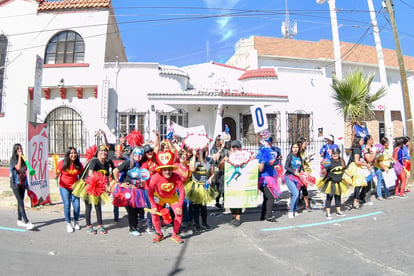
[{"x": 232, "y": 126}]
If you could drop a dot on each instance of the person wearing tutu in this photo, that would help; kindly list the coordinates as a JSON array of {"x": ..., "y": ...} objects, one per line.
[
  {"x": 332, "y": 184},
  {"x": 354, "y": 174},
  {"x": 199, "y": 190},
  {"x": 162, "y": 189},
  {"x": 97, "y": 165},
  {"x": 134, "y": 183},
  {"x": 268, "y": 180}
]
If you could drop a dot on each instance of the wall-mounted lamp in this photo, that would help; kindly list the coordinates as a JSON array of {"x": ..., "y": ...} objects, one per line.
[
  {"x": 61, "y": 83},
  {"x": 198, "y": 109},
  {"x": 152, "y": 108}
]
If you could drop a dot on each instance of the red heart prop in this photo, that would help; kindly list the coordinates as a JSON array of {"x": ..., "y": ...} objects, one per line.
[{"x": 164, "y": 158}]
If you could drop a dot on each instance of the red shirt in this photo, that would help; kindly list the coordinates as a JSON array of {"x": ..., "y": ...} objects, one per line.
[
  {"x": 165, "y": 188},
  {"x": 69, "y": 176}
]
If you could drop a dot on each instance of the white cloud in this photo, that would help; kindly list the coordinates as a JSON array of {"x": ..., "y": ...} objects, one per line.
[{"x": 224, "y": 27}]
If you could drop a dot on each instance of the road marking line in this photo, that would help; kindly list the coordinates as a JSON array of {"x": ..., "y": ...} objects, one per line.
[
  {"x": 12, "y": 229},
  {"x": 321, "y": 223}
]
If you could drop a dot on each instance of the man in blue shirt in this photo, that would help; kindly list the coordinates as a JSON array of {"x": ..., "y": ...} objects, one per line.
[{"x": 326, "y": 150}]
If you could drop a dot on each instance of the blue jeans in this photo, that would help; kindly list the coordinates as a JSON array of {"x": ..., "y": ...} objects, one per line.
[
  {"x": 67, "y": 198},
  {"x": 295, "y": 194},
  {"x": 381, "y": 183}
]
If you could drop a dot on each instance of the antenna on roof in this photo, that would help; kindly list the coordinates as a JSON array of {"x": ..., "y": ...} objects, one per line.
[{"x": 289, "y": 28}]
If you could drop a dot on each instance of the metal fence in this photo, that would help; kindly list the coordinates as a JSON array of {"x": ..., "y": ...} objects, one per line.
[
  {"x": 313, "y": 147},
  {"x": 7, "y": 140}
]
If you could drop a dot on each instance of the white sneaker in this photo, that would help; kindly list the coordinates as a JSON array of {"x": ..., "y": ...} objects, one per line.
[
  {"x": 76, "y": 225},
  {"x": 290, "y": 215},
  {"x": 21, "y": 223},
  {"x": 69, "y": 228},
  {"x": 29, "y": 226},
  {"x": 297, "y": 214},
  {"x": 369, "y": 203}
]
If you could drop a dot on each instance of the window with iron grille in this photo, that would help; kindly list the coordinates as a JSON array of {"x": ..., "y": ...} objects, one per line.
[
  {"x": 65, "y": 130},
  {"x": 129, "y": 121},
  {"x": 299, "y": 125},
  {"x": 248, "y": 134},
  {"x": 3, "y": 52},
  {"x": 164, "y": 120},
  {"x": 65, "y": 47}
]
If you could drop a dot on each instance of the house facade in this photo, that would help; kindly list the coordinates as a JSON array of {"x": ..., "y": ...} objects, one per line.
[{"x": 75, "y": 39}]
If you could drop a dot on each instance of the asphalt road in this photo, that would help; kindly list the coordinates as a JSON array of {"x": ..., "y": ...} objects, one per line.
[{"x": 374, "y": 240}]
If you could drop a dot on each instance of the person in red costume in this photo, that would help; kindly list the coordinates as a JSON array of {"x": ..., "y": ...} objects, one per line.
[{"x": 162, "y": 189}]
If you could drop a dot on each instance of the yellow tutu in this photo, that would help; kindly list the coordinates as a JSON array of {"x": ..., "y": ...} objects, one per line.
[
  {"x": 355, "y": 176},
  {"x": 196, "y": 192},
  {"x": 331, "y": 188},
  {"x": 79, "y": 190}
]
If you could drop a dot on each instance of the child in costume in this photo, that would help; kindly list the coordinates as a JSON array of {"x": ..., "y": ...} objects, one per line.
[
  {"x": 162, "y": 190},
  {"x": 332, "y": 184},
  {"x": 199, "y": 190},
  {"x": 132, "y": 187}
]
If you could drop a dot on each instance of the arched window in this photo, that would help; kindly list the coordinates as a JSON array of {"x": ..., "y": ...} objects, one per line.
[
  {"x": 65, "y": 130},
  {"x": 3, "y": 53},
  {"x": 65, "y": 47}
]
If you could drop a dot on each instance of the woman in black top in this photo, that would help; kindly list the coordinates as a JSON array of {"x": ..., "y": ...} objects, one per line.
[{"x": 18, "y": 183}]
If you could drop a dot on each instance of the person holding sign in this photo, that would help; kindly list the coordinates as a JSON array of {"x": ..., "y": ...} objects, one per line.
[{"x": 18, "y": 183}]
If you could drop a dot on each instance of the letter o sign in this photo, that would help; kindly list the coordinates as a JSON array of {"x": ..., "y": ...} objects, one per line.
[{"x": 259, "y": 118}]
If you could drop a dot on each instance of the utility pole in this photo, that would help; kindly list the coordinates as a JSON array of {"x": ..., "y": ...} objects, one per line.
[
  {"x": 381, "y": 66},
  {"x": 335, "y": 37},
  {"x": 406, "y": 92}
]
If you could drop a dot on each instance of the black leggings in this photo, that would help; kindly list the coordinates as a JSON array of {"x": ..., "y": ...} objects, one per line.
[
  {"x": 304, "y": 190},
  {"x": 329, "y": 200},
  {"x": 88, "y": 210},
  {"x": 198, "y": 208},
  {"x": 267, "y": 205},
  {"x": 133, "y": 217},
  {"x": 21, "y": 213},
  {"x": 357, "y": 192}
]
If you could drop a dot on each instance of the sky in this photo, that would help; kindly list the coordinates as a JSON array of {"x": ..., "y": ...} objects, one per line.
[{"x": 187, "y": 32}]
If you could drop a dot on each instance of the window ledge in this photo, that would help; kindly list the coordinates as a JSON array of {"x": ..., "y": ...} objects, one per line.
[{"x": 66, "y": 65}]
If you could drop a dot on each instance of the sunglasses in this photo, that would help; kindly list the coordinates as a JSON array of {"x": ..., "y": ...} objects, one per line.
[{"x": 103, "y": 148}]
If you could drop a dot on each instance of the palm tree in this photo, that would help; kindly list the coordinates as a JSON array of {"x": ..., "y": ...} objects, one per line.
[{"x": 353, "y": 99}]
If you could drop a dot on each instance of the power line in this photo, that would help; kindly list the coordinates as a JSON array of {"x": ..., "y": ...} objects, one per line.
[{"x": 408, "y": 5}]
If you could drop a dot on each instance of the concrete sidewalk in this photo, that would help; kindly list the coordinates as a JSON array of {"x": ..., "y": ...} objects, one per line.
[{"x": 8, "y": 200}]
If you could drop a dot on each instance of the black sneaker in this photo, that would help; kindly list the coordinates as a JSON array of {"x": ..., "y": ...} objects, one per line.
[
  {"x": 271, "y": 219},
  {"x": 198, "y": 228},
  {"x": 205, "y": 227},
  {"x": 218, "y": 206},
  {"x": 236, "y": 223}
]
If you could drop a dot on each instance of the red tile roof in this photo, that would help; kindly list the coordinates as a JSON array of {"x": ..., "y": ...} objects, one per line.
[
  {"x": 72, "y": 4},
  {"x": 228, "y": 66},
  {"x": 323, "y": 49},
  {"x": 259, "y": 73}
]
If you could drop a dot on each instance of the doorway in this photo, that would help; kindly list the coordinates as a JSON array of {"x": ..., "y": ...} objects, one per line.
[{"x": 232, "y": 126}]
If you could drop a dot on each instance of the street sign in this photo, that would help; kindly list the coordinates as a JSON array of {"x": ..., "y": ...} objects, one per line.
[{"x": 37, "y": 91}]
